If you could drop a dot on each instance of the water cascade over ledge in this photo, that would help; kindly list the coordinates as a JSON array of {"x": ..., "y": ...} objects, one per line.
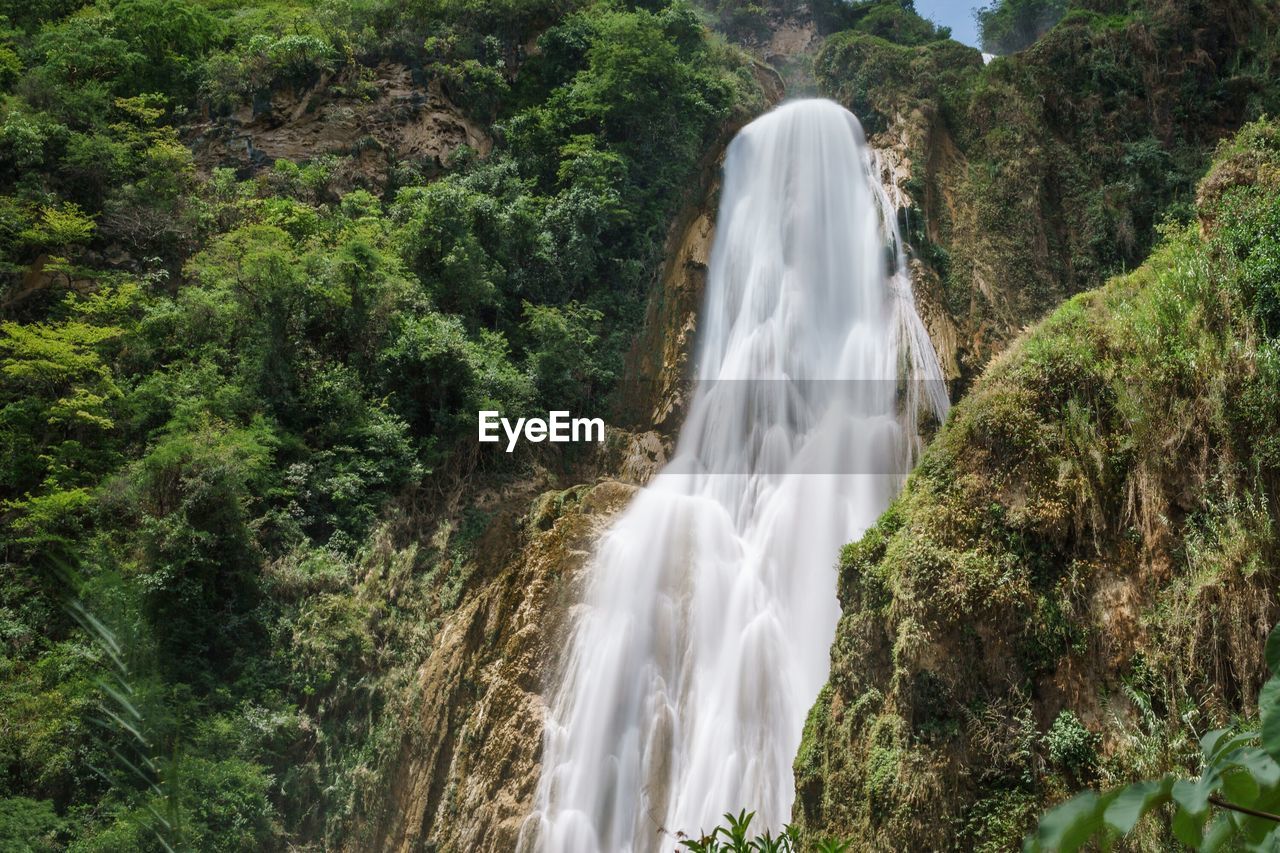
[{"x": 707, "y": 618}]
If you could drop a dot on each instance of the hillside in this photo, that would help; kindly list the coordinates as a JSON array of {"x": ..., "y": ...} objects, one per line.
[
  {"x": 1046, "y": 171},
  {"x": 261, "y": 271},
  {"x": 1079, "y": 577}
]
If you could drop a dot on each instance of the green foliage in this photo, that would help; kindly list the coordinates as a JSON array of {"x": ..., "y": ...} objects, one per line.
[
  {"x": 227, "y": 806},
  {"x": 744, "y": 21},
  {"x": 264, "y": 61},
  {"x": 1071, "y": 746},
  {"x": 1230, "y": 804},
  {"x": 997, "y": 823},
  {"x": 217, "y": 390},
  {"x": 566, "y": 374},
  {"x": 58, "y": 411},
  {"x": 735, "y": 836},
  {"x": 1250, "y": 232},
  {"x": 195, "y": 491},
  {"x": 875, "y": 77},
  {"x": 171, "y": 36},
  {"x": 57, "y": 229},
  {"x": 900, "y": 24},
  {"x": 27, "y": 824},
  {"x": 1008, "y": 26},
  {"x": 894, "y": 20}
]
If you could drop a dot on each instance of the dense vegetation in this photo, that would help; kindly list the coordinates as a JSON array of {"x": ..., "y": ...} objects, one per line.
[
  {"x": 1011, "y": 25},
  {"x": 218, "y": 385},
  {"x": 1043, "y": 173},
  {"x": 1237, "y": 782},
  {"x": 1079, "y": 578}
]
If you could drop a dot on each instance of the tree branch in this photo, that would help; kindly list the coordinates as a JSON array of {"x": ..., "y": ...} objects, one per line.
[{"x": 1223, "y": 804}]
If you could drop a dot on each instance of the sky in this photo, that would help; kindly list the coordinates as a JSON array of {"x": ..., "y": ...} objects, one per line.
[{"x": 957, "y": 14}]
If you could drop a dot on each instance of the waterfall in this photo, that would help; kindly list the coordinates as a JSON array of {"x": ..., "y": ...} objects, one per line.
[{"x": 707, "y": 618}]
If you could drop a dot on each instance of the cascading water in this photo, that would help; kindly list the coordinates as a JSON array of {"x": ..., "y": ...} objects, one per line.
[{"x": 709, "y": 612}]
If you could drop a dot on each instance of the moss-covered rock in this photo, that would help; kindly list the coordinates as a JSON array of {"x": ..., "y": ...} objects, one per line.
[{"x": 1081, "y": 573}]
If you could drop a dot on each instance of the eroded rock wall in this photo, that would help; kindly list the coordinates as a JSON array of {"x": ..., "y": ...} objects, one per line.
[
  {"x": 468, "y": 757},
  {"x": 378, "y": 117}
]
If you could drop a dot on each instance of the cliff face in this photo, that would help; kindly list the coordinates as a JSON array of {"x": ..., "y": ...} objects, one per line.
[
  {"x": 378, "y": 118},
  {"x": 467, "y": 766},
  {"x": 1040, "y": 174},
  {"x": 1079, "y": 577}
]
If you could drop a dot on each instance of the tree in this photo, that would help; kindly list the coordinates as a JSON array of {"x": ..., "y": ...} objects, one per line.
[{"x": 1008, "y": 26}]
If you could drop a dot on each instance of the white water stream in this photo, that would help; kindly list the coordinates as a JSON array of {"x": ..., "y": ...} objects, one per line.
[{"x": 710, "y": 608}]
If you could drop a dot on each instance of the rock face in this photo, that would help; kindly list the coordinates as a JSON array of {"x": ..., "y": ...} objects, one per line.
[
  {"x": 925, "y": 172},
  {"x": 468, "y": 764},
  {"x": 660, "y": 361},
  {"x": 377, "y": 123},
  {"x": 893, "y": 154},
  {"x": 1032, "y": 178}
]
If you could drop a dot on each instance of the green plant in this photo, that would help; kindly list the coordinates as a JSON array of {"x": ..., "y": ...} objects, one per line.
[
  {"x": 1236, "y": 792},
  {"x": 28, "y": 825},
  {"x": 1007, "y": 26},
  {"x": 735, "y": 836},
  {"x": 1071, "y": 746}
]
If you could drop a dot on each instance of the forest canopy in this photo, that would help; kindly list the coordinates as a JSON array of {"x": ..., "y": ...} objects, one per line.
[{"x": 219, "y": 383}]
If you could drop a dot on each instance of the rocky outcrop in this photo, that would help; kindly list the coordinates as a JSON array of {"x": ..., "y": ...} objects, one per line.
[
  {"x": 468, "y": 758},
  {"x": 925, "y": 172},
  {"x": 389, "y": 118},
  {"x": 894, "y": 157},
  {"x": 1037, "y": 176},
  {"x": 659, "y": 367},
  {"x": 1078, "y": 580}
]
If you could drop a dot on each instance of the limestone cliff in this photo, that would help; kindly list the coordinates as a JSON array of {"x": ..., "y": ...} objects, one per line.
[
  {"x": 1078, "y": 579},
  {"x": 468, "y": 756}
]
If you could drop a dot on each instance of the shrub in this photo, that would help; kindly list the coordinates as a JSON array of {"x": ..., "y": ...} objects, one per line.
[
  {"x": 28, "y": 825},
  {"x": 1072, "y": 748},
  {"x": 1007, "y": 26}
]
